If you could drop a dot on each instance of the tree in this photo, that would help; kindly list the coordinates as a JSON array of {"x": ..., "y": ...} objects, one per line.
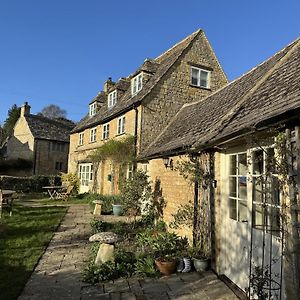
[
  {"x": 53, "y": 112},
  {"x": 12, "y": 118}
]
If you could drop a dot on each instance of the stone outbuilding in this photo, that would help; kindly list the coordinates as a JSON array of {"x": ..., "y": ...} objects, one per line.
[
  {"x": 40, "y": 142},
  {"x": 245, "y": 140}
]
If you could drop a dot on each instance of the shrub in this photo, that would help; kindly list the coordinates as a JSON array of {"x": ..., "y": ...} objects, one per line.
[
  {"x": 15, "y": 164},
  {"x": 97, "y": 226},
  {"x": 70, "y": 179},
  {"x": 145, "y": 267},
  {"x": 136, "y": 192},
  {"x": 104, "y": 272},
  {"x": 28, "y": 184},
  {"x": 162, "y": 244}
]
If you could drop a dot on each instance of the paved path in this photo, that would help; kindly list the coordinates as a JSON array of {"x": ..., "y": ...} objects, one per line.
[{"x": 58, "y": 273}]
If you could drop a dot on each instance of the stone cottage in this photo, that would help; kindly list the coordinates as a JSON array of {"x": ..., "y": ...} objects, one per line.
[
  {"x": 41, "y": 142},
  {"x": 142, "y": 104},
  {"x": 245, "y": 139}
]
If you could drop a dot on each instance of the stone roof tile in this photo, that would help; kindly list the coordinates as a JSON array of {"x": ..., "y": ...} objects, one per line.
[
  {"x": 162, "y": 64},
  {"x": 45, "y": 128}
]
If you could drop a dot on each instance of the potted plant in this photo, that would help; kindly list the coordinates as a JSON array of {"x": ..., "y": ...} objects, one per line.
[
  {"x": 201, "y": 260},
  {"x": 167, "y": 247}
]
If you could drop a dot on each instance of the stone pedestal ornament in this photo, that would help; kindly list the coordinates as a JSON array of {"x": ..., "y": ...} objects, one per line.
[
  {"x": 98, "y": 206},
  {"x": 104, "y": 237},
  {"x": 105, "y": 253}
]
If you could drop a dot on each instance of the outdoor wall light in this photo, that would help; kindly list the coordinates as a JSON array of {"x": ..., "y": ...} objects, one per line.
[
  {"x": 168, "y": 162},
  {"x": 214, "y": 183}
]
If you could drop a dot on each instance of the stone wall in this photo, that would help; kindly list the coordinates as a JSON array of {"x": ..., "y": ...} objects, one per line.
[
  {"x": 175, "y": 189},
  {"x": 80, "y": 153},
  {"x": 175, "y": 89},
  {"x": 46, "y": 158},
  {"x": 21, "y": 143}
]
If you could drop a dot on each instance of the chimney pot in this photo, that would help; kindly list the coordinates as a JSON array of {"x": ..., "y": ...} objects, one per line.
[{"x": 25, "y": 109}]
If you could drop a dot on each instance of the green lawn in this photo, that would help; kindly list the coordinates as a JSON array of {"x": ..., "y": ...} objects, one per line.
[{"x": 23, "y": 239}]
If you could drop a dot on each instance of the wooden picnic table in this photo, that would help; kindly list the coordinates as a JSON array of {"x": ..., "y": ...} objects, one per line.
[
  {"x": 52, "y": 190},
  {"x": 6, "y": 200}
]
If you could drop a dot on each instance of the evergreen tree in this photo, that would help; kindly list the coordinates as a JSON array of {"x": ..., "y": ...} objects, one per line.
[{"x": 12, "y": 118}]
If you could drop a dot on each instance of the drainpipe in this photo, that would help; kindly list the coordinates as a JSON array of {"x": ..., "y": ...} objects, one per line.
[
  {"x": 34, "y": 156},
  {"x": 196, "y": 201},
  {"x": 135, "y": 136}
]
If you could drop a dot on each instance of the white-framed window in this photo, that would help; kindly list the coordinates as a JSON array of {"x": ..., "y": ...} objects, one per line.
[
  {"x": 136, "y": 84},
  {"x": 93, "y": 135},
  {"x": 105, "y": 131},
  {"x": 112, "y": 99},
  {"x": 93, "y": 109},
  {"x": 85, "y": 173},
  {"x": 121, "y": 125},
  {"x": 200, "y": 77},
  {"x": 129, "y": 174},
  {"x": 238, "y": 175},
  {"x": 80, "y": 140},
  {"x": 266, "y": 193}
]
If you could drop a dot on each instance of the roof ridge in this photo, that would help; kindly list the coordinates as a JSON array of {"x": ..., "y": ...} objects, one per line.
[
  {"x": 54, "y": 122},
  {"x": 230, "y": 115},
  {"x": 178, "y": 43}
]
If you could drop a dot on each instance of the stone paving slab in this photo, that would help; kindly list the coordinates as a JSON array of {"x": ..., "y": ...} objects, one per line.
[{"x": 58, "y": 273}]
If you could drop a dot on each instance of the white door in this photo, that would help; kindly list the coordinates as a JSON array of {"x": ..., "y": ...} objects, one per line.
[
  {"x": 249, "y": 186},
  {"x": 85, "y": 174},
  {"x": 236, "y": 242}
]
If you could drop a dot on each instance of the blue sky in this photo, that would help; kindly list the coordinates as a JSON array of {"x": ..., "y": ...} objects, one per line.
[{"x": 61, "y": 51}]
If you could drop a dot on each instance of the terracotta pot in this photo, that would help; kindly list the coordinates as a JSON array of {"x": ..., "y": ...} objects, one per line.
[{"x": 166, "y": 267}]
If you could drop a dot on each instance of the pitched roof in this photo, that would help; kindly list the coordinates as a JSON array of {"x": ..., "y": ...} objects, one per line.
[
  {"x": 269, "y": 89},
  {"x": 45, "y": 128},
  {"x": 159, "y": 66}
]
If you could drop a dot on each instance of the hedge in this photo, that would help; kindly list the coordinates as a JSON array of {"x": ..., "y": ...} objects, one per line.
[{"x": 28, "y": 184}]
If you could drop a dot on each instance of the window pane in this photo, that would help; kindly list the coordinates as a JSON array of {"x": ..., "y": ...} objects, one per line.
[
  {"x": 232, "y": 167},
  {"x": 195, "y": 76},
  {"x": 232, "y": 211},
  {"x": 258, "y": 162},
  {"x": 232, "y": 187},
  {"x": 273, "y": 218},
  {"x": 242, "y": 209},
  {"x": 203, "y": 78},
  {"x": 258, "y": 190},
  {"x": 242, "y": 164},
  {"x": 258, "y": 215},
  {"x": 242, "y": 187}
]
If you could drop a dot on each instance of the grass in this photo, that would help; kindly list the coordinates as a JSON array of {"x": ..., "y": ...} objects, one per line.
[{"x": 23, "y": 239}]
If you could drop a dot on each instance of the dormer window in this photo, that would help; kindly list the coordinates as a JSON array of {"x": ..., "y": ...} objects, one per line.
[
  {"x": 200, "y": 77},
  {"x": 93, "y": 109},
  {"x": 112, "y": 99},
  {"x": 136, "y": 84}
]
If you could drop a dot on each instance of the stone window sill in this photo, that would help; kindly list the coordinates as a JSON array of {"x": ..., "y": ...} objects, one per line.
[{"x": 200, "y": 87}]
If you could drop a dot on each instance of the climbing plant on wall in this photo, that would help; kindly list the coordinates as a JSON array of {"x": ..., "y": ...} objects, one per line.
[{"x": 120, "y": 152}]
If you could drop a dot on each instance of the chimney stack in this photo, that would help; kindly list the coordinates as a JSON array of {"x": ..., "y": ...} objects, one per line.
[
  {"x": 25, "y": 109},
  {"x": 108, "y": 84}
]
